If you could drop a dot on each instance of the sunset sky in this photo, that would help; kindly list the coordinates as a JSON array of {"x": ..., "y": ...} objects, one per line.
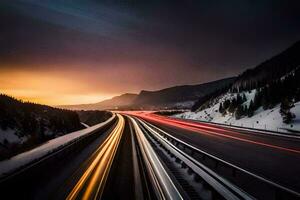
[{"x": 67, "y": 52}]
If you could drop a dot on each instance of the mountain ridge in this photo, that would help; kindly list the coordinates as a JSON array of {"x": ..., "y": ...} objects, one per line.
[
  {"x": 180, "y": 96},
  {"x": 264, "y": 97}
]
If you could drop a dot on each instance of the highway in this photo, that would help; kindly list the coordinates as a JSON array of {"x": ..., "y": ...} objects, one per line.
[
  {"x": 79, "y": 172},
  {"x": 274, "y": 158},
  {"x": 106, "y": 165},
  {"x": 92, "y": 182},
  {"x": 141, "y": 155}
]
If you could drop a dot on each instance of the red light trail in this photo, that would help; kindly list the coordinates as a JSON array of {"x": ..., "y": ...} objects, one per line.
[{"x": 208, "y": 130}]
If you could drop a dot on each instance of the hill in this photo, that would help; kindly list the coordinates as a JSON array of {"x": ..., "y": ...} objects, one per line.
[
  {"x": 24, "y": 125},
  {"x": 173, "y": 97},
  {"x": 266, "y": 96},
  {"x": 179, "y": 96},
  {"x": 270, "y": 70},
  {"x": 113, "y": 103}
]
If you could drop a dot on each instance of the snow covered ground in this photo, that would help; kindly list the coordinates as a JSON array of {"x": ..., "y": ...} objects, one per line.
[
  {"x": 10, "y": 136},
  {"x": 262, "y": 119},
  {"x": 9, "y": 165}
]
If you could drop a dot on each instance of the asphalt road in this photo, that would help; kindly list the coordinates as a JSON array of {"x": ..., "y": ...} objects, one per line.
[
  {"x": 272, "y": 157},
  {"x": 53, "y": 179},
  {"x": 120, "y": 182}
]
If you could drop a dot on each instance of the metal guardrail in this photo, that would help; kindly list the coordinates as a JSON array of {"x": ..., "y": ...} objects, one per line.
[
  {"x": 73, "y": 145},
  {"x": 280, "y": 192},
  {"x": 220, "y": 185},
  {"x": 163, "y": 184}
]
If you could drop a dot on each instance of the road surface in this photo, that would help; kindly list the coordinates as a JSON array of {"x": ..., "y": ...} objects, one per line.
[
  {"x": 272, "y": 157},
  {"x": 146, "y": 156}
]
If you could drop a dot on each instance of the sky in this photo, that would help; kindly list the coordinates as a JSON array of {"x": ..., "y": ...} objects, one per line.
[{"x": 60, "y": 52}]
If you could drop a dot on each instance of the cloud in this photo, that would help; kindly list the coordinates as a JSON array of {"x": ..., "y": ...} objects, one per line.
[{"x": 112, "y": 47}]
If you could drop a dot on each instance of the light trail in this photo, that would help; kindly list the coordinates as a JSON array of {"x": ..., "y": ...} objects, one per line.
[
  {"x": 210, "y": 130},
  {"x": 92, "y": 182}
]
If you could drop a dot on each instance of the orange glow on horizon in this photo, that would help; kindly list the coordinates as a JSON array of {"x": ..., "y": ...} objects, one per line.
[{"x": 48, "y": 88}]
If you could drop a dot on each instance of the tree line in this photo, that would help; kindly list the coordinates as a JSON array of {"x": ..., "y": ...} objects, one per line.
[
  {"x": 36, "y": 122},
  {"x": 285, "y": 91}
]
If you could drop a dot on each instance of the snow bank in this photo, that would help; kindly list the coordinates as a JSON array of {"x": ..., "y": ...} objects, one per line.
[
  {"x": 262, "y": 119},
  {"x": 9, "y": 165}
]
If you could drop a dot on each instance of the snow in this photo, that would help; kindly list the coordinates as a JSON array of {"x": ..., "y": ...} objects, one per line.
[
  {"x": 12, "y": 164},
  {"x": 11, "y": 137},
  {"x": 269, "y": 119},
  {"x": 84, "y": 124},
  {"x": 184, "y": 104}
]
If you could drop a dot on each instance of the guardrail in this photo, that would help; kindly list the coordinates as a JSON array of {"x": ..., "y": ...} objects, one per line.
[
  {"x": 162, "y": 183},
  {"x": 278, "y": 191},
  {"x": 218, "y": 185},
  {"x": 72, "y": 146}
]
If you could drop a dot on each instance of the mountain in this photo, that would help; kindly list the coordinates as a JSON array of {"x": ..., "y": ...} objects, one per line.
[
  {"x": 113, "y": 103},
  {"x": 270, "y": 70},
  {"x": 173, "y": 97},
  {"x": 179, "y": 96},
  {"x": 266, "y": 96}
]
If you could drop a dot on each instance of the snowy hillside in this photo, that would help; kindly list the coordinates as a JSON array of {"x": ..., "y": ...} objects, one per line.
[
  {"x": 264, "y": 97},
  {"x": 269, "y": 119},
  {"x": 9, "y": 165}
]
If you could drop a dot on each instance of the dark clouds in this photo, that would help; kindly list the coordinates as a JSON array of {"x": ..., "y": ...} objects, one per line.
[{"x": 145, "y": 45}]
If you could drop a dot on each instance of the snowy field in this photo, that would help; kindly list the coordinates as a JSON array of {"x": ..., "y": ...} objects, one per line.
[
  {"x": 262, "y": 119},
  {"x": 9, "y": 165}
]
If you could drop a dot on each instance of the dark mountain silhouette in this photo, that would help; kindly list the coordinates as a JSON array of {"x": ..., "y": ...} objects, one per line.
[
  {"x": 270, "y": 70},
  {"x": 173, "y": 97},
  {"x": 113, "y": 103},
  {"x": 179, "y": 96}
]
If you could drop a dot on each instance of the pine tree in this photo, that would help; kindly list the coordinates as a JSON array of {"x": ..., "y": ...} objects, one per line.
[
  {"x": 226, "y": 104},
  {"x": 239, "y": 99},
  {"x": 250, "y": 110},
  {"x": 257, "y": 99},
  {"x": 244, "y": 97},
  {"x": 232, "y": 106},
  {"x": 221, "y": 109},
  {"x": 239, "y": 112},
  {"x": 285, "y": 110}
]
